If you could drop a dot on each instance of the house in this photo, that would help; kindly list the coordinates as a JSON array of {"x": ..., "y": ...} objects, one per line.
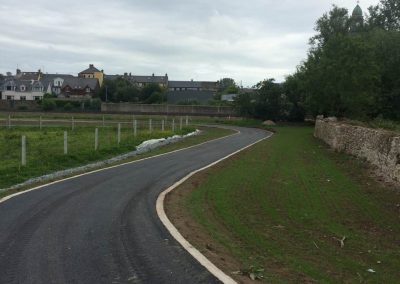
[
  {"x": 142, "y": 80},
  {"x": 76, "y": 87},
  {"x": 22, "y": 90},
  {"x": 28, "y": 75},
  {"x": 193, "y": 86},
  {"x": 92, "y": 73},
  {"x": 54, "y": 82}
]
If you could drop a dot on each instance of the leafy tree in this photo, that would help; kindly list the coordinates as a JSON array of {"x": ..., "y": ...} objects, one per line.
[
  {"x": 332, "y": 24},
  {"x": 149, "y": 90},
  {"x": 119, "y": 90},
  {"x": 385, "y": 15},
  {"x": 244, "y": 105},
  {"x": 227, "y": 84}
]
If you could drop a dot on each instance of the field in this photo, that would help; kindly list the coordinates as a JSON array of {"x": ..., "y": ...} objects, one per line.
[
  {"x": 289, "y": 210},
  {"x": 45, "y": 145}
]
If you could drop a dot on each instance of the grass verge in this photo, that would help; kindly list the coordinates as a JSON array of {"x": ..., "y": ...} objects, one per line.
[
  {"x": 45, "y": 149},
  {"x": 280, "y": 209}
]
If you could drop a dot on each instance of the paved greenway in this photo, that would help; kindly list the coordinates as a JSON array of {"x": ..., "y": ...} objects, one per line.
[{"x": 103, "y": 227}]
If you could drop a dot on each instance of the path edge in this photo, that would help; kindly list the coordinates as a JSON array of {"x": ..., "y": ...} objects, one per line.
[{"x": 196, "y": 254}]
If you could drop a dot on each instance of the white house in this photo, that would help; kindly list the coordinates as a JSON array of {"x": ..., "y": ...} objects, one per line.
[{"x": 22, "y": 90}]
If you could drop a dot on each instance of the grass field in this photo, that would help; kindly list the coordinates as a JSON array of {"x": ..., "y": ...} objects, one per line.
[
  {"x": 45, "y": 149},
  {"x": 280, "y": 209}
]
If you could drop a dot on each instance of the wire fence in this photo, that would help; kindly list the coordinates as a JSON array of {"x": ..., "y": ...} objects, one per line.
[{"x": 31, "y": 147}]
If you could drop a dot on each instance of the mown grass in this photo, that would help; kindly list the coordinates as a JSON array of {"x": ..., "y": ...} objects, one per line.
[
  {"x": 45, "y": 148},
  {"x": 284, "y": 204}
]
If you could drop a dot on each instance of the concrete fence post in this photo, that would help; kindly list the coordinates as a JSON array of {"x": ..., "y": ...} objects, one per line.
[
  {"x": 96, "y": 139},
  {"x": 187, "y": 120},
  {"x": 135, "y": 128},
  {"x": 119, "y": 133},
  {"x": 72, "y": 124},
  {"x": 162, "y": 125},
  {"x": 104, "y": 122},
  {"x": 173, "y": 125},
  {"x": 23, "y": 150},
  {"x": 9, "y": 121},
  {"x": 65, "y": 142},
  {"x": 180, "y": 123},
  {"x": 40, "y": 122}
]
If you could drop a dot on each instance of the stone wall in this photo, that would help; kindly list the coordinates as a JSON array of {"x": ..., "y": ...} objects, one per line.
[
  {"x": 167, "y": 109},
  {"x": 379, "y": 147}
]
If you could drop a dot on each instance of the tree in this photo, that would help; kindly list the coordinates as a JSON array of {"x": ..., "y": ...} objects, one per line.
[
  {"x": 385, "y": 15},
  {"x": 227, "y": 84},
  {"x": 270, "y": 101},
  {"x": 332, "y": 24},
  {"x": 148, "y": 91},
  {"x": 119, "y": 90}
]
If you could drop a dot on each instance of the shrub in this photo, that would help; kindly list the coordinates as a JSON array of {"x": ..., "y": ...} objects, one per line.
[
  {"x": 48, "y": 105},
  {"x": 68, "y": 106}
]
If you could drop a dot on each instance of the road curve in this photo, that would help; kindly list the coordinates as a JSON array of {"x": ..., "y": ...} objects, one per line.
[{"x": 103, "y": 227}]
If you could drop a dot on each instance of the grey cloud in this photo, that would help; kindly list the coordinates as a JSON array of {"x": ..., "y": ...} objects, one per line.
[{"x": 203, "y": 40}]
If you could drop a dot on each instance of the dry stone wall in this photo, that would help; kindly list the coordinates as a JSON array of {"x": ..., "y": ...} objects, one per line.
[{"x": 380, "y": 148}]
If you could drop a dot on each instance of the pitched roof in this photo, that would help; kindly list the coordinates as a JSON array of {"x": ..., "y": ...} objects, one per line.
[
  {"x": 184, "y": 84},
  {"x": 149, "y": 79},
  {"x": 90, "y": 70},
  {"x": 187, "y": 96},
  {"x": 80, "y": 83}
]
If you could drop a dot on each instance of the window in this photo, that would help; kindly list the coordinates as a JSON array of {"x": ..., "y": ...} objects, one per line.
[
  {"x": 23, "y": 98},
  {"x": 10, "y": 98},
  {"x": 88, "y": 90},
  {"x": 22, "y": 88},
  {"x": 37, "y": 98}
]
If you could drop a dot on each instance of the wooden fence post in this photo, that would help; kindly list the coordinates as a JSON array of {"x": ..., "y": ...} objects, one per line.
[
  {"x": 23, "y": 150},
  {"x": 135, "y": 128},
  {"x": 65, "y": 142},
  {"x": 119, "y": 133},
  {"x": 96, "y": 139}
]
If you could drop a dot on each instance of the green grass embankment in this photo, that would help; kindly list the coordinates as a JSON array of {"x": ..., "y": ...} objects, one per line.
[{"x": 285, "y": 204}]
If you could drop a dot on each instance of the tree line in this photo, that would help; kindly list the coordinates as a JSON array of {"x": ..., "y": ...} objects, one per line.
[{"x": 349, "y": 72}]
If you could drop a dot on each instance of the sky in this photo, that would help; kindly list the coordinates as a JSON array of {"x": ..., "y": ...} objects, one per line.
[{"x": 187, "y": 39}]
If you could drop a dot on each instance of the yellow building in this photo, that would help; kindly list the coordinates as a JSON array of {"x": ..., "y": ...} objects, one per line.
[{"x": 93, "y": 72}]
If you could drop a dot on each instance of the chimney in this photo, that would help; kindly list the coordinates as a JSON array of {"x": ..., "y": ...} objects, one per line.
[
  {"x": 18, "y": 71},
  {"x": 153, "y": 75},
  {"x": 90, "y": 65}
]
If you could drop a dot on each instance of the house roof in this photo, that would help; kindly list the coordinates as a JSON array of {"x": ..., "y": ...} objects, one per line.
[
  {"x": 148, "y": 79},
  {"x": 184, "y": 84},
  {"x": 90, "y": 70},
  {"x": 186, "y": 96},
  {"x": 80, "y": 83},
  {"x": 29, "y": 84}
]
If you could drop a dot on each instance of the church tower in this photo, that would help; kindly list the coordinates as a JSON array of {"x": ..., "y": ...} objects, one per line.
[{"x": 357, "y": 19}]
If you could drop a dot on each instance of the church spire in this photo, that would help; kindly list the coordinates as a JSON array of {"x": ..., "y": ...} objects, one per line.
[{"x": 357, "y": 19}]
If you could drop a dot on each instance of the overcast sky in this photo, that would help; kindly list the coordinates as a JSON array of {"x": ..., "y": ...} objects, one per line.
[{"x": 188, "y": 39}]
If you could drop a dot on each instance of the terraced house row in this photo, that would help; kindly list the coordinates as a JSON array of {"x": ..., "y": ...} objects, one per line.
[{"x": 31, "y": 86}]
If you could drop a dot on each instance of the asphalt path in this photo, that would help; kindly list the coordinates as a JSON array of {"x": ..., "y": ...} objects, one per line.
[{"x": 103, "y": 227}]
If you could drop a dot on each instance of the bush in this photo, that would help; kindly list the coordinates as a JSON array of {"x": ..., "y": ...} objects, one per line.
[
  {"x": 22, "y": 108},
  {"x": 95, "y": 104},
  {"x": 48, "y": 105},
  {"x": 68, "y": 106}
]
